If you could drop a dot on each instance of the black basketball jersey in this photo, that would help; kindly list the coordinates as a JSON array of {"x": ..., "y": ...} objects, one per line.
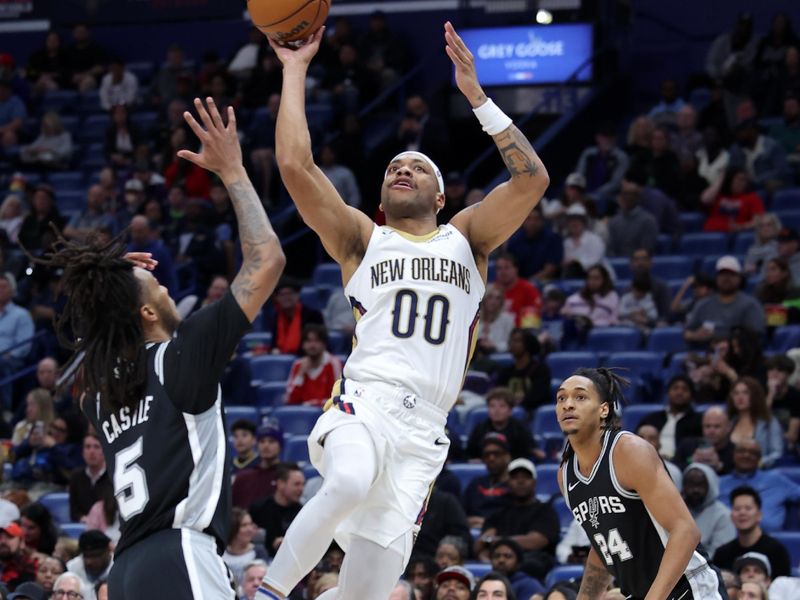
[
  {"x": 620, "y": 528},
  {"x": 167, "y": 457}
]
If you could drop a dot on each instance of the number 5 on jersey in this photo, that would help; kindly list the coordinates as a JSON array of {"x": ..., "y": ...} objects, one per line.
[
  {"x": 615, "y": 545},
  {"x": 130, "y": 482}
]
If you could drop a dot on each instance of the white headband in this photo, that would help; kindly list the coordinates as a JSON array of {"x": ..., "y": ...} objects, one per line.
[{"x": 423, "y": 157}]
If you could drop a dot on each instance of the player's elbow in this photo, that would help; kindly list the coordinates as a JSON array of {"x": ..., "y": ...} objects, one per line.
[{"x": 294, "y": 161}]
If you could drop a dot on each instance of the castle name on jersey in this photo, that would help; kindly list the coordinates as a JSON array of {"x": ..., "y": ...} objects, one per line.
[
  {"x": 114, "y": 426},
  {"x": 592, "y": 508},
  {"x": 431, "y": 268}
]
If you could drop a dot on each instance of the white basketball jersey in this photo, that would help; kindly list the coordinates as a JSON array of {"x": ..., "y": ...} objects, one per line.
[{"x": 416, "y": 301}]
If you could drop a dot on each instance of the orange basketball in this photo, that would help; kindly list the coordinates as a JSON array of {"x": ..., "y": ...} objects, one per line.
[{"x": 288, "y": 20}]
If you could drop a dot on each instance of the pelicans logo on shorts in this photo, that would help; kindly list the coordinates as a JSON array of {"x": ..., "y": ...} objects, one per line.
[{"x": 409, "y": 401}]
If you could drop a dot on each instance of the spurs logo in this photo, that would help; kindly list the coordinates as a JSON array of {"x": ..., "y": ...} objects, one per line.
[{"x": 594, "y": 511}]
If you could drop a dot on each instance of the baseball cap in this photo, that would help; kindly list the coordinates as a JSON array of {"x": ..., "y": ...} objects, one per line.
[
  {"x": 576, "y": 210},
  {"x": 9, "y": 512},
  {"x": 270, "y": 429},
  {"x": 13, "y": 529},
  {"x": 93, "y": 540},
  {"x": 524, "y": 464},
  {"x": 456, "y": 572},
  {"x": 729, "y": 263},
  {"x": 28, "y": 591},
  {"x": 788, "y": 235},
  {"x": 753, "y": 558},
  {"x": 576, "y": 180},
  {"x": 134, "y": 185},
  {"x": 497, "y": 439}
]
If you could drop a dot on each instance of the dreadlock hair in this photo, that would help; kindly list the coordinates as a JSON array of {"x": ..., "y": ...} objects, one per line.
[
  {"x": 101, "y": 318},
  {"x": 609, "y": 387}
]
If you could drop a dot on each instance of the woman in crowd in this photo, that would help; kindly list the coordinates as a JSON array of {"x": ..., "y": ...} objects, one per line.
[
  {"x": 47, "y": 573},
  {"x": 241, "y": 550},
  {"x": 495, "y": 323},
  {"x": 39, "y": 529},
  {"x": 122, "y": 137},
  {"x": 38, "y": 408},
  {"x": 751, "y": 418},
  {"x": 734, "y": 206},
  {"x": 597, "y": 301},
  {"x": 451, "y": 552}
]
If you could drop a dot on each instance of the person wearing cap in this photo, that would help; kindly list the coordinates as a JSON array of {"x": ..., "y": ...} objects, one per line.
[
  {"x": 17, "y": 565},
  {"x": 454, "y": 583},
  {"x": 28, "y": 591},
  {"x": 582, "y": 248},
  {"x": 94, "y": 561},
  {"x": 734, "y": 205},
  {"x": 753, "y": 566},
  {"x": 678, "y": 421},
  {"x": 538, "y": 249},
  {"x": 244, "y": 443},
  {"x": 257, "y": 482},
  {"x": 500, "y": 403},
  {"x": 291, "y": 316},
  {"x": 534, "y": 525},
  {"x": 746, "y": 515},
  {"x": 700, "y": 491},
  {"x": 725, "y": 309},
  {"x": 275, "y": 513},
  {"x": 760, "y": 156},
  {"x": 486, "y": 494},
  {"x": 604, "y": 164},
  {"x": 632, "y": 227},
  {"x": 507, "y": 557}
]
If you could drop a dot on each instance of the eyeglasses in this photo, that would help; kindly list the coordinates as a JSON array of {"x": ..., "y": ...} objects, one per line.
[{"x": 71, "y": 595}]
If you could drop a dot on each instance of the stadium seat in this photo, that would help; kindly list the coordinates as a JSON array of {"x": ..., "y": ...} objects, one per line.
[
  {"x": 310, "y": 472},
  {"x": 708, "y": 264},
  {"x": 478, "y": 569},
  {"x": 271, "y": 394},
  {"x": 58, "y": 505},
  {"x": 563, "y": 573},
  {"x": 692, "y": 221},
  {"x": 454, "y": 425},
  {"x": 675, "y": 366},
  {"x": 621, "y": 266},
  {"x": 672, "y": 267},
  {"x": 480, "y": 413},
  {"x": 570, "y": 286},
  {"x": 477, "y": 382},
  {"x": 327, "y": 274},
  {"x": 491, "y": 271},
  {"x": 703, "y": 244},
  {"x": 234, "y": 413},
  {"x": 142, "y": 69},
  {"x": 563, "y": 364},
  {"x": 545, "y": 421},
  {"x": 552, "y": 443},
  {"x": 66, "y": 180},
  {"x": 786, "y": 199},
  {"x": 71, "y": 200},
  {"x": 565, "y": 515},
  {"x": 791, "y": 540},
  {"x": 666, "y": 339},
  {"x": 72, "y": 530},
  {"x": 743, "y": 241},
  {"x": 633, "y": 414},
  {"x": 145, "y": 121},
  {"x": 700, "y": 98},
  {"x": 502, "y": 359},
  {"x": 309, "y": 297},
  {"x": 784, "y": 339},
  {"x": 613, "y": 339},
  {"x": 271, "y": 367},
  {"x": 665, "y": 244},
  {"x": 546, "y": 480},
  {"x": 94, "y": 127},
  {"x": 339, "y": 342},
  {"x": 59, "y": 101},
  {"x": 90, "y": 102},
  {"x": 643, "y": 371},
  {"x": 790, "y": 218},
  {"x": 466, "y": 472},
  {"x": 257, "y": 342},
  {"x": 297, "y": 420},
  {"x": 295, "y": 449}
]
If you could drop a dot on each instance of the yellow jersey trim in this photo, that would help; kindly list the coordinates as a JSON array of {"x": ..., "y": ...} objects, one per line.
[{"x": 415, "y": 238}]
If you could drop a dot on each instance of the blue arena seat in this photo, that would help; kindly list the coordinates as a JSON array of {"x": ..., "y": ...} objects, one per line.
[
  {"x": 58, "y": 505},
  {"x": 790, "y": 218},
  {"x": 454, "y": 423},
  {"x": 643, "y": 370},
  {"x": 339, "y": 342},
  {"x": 295, "y": 449},
  {"x": 563, "y": 573},
  {"x": 791, "y": 540},
  {"x": 477, "y": 382},
  {"x": 72, "y": 530},
  {"x": 270, "y": 367},
  {"x": 327, "y": 274},
  {"x": 67, "y": 180},
  {"x": 613, "y": 339},
  {"x": 703, "y": 244},
  {"x": 258, "y": 342},
  {"x": 692, "y": 221},
  {"x": 271, "y": 394},
  {"x": 786, "y": 199},
  {"x": 563, "y": 364},
  {"x": 234, "y": 413},
  {"x": 784, "y": 338},
  {"x": 676, "y": 365},
  {"x": 545, "y": 421},
  {"x": 142, "y": 69},
  {"x": 552, "y": 443},
  {"x": 478, "y": 569},
  {"x": 672, "y": 267},
  {"x": 145, "y": 121},
  {"x": 634, "y": 413},
  {"x": 466, "y": 472},
  {"x": 743, "y": 241},
  {"x": 565, "y": 516},
  {"x": 89, "y": 102},
  {"x": 546, "y": 480},
  {"x": 700, "y": 98},
  {"x": 94, "y": 126},
  {"x": 71, "y": 200},
  {"x": 309, "y": 297},
  {"x": 621, "y": 266},
  {"x": 60, "y": 101},
  {"x": 502, "y": 359},
  {"x": 666, "y": 339},
  {"x": 297, "y": 420}
]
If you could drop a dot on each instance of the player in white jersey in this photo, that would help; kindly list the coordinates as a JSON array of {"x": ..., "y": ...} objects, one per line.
[{"x": 416, "y": 288}]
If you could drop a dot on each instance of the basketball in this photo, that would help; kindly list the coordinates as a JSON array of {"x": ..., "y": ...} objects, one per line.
[{"x": 288, "y": 20}]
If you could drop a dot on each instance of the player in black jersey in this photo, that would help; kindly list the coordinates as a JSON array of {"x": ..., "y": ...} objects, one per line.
[
  {"x": 152, "y": 388},
  {"x": 619, "y": 491}
]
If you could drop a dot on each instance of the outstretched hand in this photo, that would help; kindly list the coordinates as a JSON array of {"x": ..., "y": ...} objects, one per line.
[
  {"x": 464, "y": 61},
  {"x": 291, "y": 54},
  {"x": 220, "y": 153}
]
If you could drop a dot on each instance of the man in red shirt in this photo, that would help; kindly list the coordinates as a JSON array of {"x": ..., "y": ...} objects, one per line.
[
  {"x": 522, "y": 297},
  {"x": 313, "y": 376}
]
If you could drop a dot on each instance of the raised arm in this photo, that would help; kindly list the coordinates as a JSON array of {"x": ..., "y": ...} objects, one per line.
[
  {"x": 344, "y": 231},
  {"x": 491, "y": 222},
  {"x": 639, "y": 468},
  {"x": 262, "y": 256}
]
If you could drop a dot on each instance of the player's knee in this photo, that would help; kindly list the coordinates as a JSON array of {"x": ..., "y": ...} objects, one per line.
[{"x": 347, "y": 488}]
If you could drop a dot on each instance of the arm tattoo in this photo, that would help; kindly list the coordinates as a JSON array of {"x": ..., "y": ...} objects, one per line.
[
  {"x": 517, "y": 152},
  {"x": 594, "y": 583},
  {"x": 255, "y": 232}
]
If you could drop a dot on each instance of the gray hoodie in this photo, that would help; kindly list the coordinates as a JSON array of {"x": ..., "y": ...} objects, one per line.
[{"x": 713, "y": 518}]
